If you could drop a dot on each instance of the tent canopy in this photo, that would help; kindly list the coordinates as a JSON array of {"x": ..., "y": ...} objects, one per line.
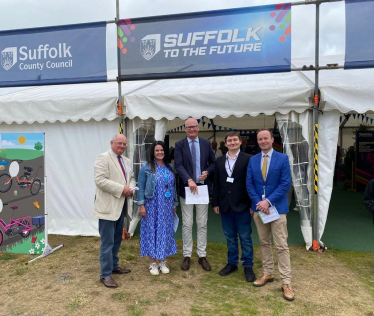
[
  {"x": 342, "y": 90},
  {"x": 89, "y": 111}
]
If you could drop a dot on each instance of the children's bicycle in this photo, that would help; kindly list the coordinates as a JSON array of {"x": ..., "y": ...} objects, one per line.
[
  {"x": 24, "y": 181},
  {"x": 21, "y": 225}
]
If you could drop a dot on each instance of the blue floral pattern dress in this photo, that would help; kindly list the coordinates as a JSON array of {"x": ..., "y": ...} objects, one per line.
[{"x": 156, "y": 232}]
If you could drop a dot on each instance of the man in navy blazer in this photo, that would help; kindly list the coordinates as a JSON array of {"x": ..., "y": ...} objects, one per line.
[
  {"x": 194, "y": 161},
  {"x": 231, "y": 200},
  {"x": 268, "y": 180}
]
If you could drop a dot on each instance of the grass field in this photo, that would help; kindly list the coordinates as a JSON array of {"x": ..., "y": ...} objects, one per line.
[
  {"x": 19, "y": 153},
  {"x": 67, "y": 283}
]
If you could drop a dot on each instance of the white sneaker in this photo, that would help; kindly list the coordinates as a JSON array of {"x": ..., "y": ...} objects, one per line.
[
  {"x": 164, "y": 268},
  {"x": 153, "y": 269}
]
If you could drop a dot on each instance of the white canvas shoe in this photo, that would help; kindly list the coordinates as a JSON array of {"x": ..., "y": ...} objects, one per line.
[
  {"x": 153, "y": 269},
  {"x": 164, "y": 268}
]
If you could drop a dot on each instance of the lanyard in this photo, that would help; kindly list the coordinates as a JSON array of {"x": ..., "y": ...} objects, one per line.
[
  {"x": 165, "y": 177},
  {"x": 167, "y": 192},
  {"x": 233, "y": 166}
]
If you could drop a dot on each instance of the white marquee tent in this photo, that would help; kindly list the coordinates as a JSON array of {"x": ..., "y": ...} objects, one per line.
[{"x": 79, "y": 121}]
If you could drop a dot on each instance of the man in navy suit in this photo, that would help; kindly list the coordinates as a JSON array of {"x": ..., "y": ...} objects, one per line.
[
  {"x": 194, "y": 161},
  {"x": 231, "y": 200},
  {"x": 268, "y": 180}
]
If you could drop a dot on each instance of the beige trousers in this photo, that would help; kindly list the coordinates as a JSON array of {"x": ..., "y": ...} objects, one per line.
[
  {"x": 279, "y": 231},
  {"x": 202, "y": 227}
]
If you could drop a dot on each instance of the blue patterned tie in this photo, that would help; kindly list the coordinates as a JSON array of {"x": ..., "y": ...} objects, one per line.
[{"x": 193, "y": 154}]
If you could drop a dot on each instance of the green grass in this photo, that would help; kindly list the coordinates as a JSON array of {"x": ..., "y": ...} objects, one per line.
[
  {"x": 133, "y": 310},
  {"x": 120, "y": 296},
  {"x": 8, "y": 256},
  {"x": 23, "y": 154},
  {"x": 68, "y": 282},
  {"x": 24, "y": 245},
  {"x": 358, "y": 261}
]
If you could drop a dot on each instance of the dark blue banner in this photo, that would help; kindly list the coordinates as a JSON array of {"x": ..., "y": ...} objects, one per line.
[
  {"x": 212, "y": 43},
  {"x": 359, "y": 30},
  {"x": 53, "y": 55}
]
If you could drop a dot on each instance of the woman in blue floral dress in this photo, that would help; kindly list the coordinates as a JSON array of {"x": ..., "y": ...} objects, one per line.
[{"x": 157, "y": 200}]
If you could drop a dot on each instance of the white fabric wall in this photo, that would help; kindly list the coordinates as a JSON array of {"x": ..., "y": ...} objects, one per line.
[
  {"x": 70, "y": 152},
  {"x": 328, "y": 131}
]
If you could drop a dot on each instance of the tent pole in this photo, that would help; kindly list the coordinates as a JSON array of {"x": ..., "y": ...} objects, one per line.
[
  {"x": 315, "y": 245},
  {"x": 119, "y": 102}
]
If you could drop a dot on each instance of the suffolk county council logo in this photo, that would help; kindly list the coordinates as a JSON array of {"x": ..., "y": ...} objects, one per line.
[
  {"x": 9, "y": 57},
  {"x": 150, "y": 45}
]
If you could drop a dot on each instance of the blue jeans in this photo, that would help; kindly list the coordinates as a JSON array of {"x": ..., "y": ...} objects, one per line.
[
  {"x": 111, "y": 237},
  {"x": 234, "y": 224}
]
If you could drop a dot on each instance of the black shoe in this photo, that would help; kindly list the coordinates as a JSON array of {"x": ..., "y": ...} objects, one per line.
[
  {"x": 228, "y": 269},
  {"x": 204, "y": 264},
  {"x": 186, "y": 264},
  {"x": 249, "y": 274}
]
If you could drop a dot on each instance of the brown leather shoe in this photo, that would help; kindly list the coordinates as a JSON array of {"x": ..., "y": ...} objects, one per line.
[
  {"x": 109, "y": 282},
  {"x": 288, "y": 294},
  {"x": 121, "y": 271},
  {"x": 263, "y": 279},
  {"x": 204, "y": 264},
  {"x": 186, "y": 264}
]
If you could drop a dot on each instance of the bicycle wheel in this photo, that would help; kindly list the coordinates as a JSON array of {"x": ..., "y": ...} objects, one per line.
[
  {"x": 25, "y": 233},
  {"x": 22, "y": 179},
  {"x": 5, "y": 182},
  {"x": 1, "y": 237},
  {"x": 35, "y": 187}
]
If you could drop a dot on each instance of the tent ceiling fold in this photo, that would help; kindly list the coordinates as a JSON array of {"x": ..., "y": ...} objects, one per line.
[
  {"x": 223, "y": 96},
  {"x": 73, "y": 102}
]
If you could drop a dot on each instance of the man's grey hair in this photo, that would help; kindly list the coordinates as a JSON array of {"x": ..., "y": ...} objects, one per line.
[{"x": 115, "y": 136}]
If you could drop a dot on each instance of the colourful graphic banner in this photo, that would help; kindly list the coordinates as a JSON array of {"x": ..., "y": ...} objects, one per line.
[
  {"x": 53, "y": 55},
  {"x": 22, "y": 221},
  {"x": 359, "y": 39},
  {"x": 212, "y": 43}
]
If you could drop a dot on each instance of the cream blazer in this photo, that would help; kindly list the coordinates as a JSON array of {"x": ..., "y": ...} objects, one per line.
[{"x": 110, "y": 182}]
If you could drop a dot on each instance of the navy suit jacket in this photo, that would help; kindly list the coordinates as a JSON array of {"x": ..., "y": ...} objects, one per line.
[
  {"x": 183, "y": 162},
  {"x": 231, "y": 196},
  {"x": 277, "y": 184}
]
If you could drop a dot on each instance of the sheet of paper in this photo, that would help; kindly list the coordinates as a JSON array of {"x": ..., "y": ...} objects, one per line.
[
  {"x": 201, "y": 198},
  {"x": 175, "y": 222},
  {"x": 273, "y": 216},
  {"x": 134, "y": 189}
]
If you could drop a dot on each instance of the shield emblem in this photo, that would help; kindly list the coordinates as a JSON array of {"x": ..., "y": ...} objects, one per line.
[
  {"x": 150, "y": 45},
  {"x": 9, "y": 57}
]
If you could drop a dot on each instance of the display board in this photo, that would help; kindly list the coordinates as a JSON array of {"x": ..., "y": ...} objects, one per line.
[{"x": 22, "y": 220}]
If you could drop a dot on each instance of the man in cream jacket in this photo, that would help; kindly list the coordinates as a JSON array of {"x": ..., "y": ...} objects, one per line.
[{"x": 114, "y": 179}]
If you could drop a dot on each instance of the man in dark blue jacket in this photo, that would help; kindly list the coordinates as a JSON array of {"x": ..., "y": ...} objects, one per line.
[
  {"x": 268, "y": 181},
  {"x": 194, "y": 161},
  {"x": 231, "y": 200}
]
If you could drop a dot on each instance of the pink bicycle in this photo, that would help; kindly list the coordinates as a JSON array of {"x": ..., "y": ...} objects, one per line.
[{"x": 21, "y": 225}]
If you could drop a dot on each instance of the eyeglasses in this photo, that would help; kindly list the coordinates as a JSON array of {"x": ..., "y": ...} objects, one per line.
[
  {"x": 192, "y": 127},
  {"x": 121, "y": 144}
]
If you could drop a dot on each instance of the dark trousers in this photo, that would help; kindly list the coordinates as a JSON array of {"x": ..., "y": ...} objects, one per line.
[
  {"x": 111, "y": 237},
  {"x": 234, "y": 224}
]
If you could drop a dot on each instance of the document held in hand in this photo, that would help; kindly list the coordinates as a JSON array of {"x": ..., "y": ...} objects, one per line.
[
  {"x": 201, "y": 198},
  {"x": 273, "y": 216}
]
